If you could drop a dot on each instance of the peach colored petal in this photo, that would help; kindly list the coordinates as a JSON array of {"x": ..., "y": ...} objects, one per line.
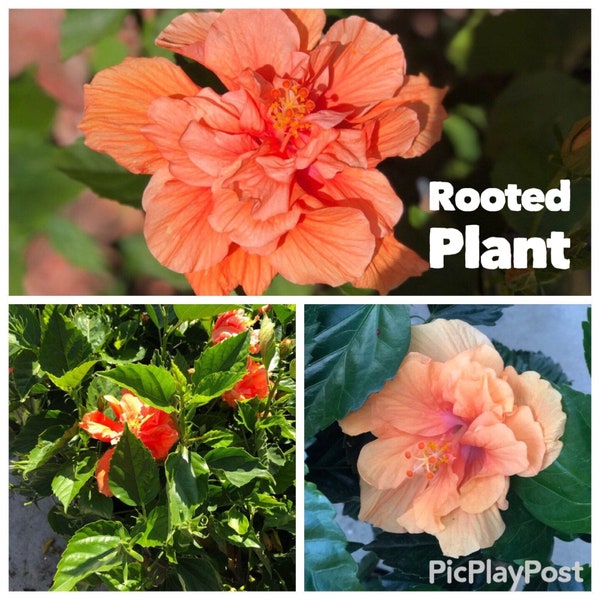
[
  {"x": 465, "y": 533},
  {"x": 101, "y": 427},
  {"x": 369, "y": 66},
  {"x": 474, "y": 387},
  {"x": 116, "y": 109},
  {"x": 251, "y": 271},
  {"x": 260, "y": 40},
  {"x": 382, "y": 462},
  {"x": 435, "y": 501},
  {"x": 480, "y": 493},
  {"x": 502, "y": 452},
  {"x": 545, "y": 403},
  {"x": 177, "y": 228},
  {"x": 526, "y": 429},
  {"x": 443, "y": 339},
  {"x": 186, "y": 34},
  {"x": 330, "y": 246},
  {"x": 392, "y": 264},
  {"x": 310, "y": 24},
  {"x": 426, "y": 101},
  {"x": 383, "y": 508}
]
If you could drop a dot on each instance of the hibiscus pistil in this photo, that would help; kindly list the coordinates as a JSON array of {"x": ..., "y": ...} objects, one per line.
[
  {"x": 289, "y": 107},
  {"x": 428, "y": 458}
]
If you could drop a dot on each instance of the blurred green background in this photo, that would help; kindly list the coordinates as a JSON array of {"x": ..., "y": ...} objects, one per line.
[{"x": 519, "y": 112}]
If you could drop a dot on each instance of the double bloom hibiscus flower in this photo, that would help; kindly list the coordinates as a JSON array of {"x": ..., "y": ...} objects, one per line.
[{"x": 278, "y": 174}]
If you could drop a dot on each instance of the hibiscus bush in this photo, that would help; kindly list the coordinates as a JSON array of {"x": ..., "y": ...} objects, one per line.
[
  {"x": 165, "y": 436},
  {"x": 439, "y": 445},
  {"x": 335, "y": 124}
]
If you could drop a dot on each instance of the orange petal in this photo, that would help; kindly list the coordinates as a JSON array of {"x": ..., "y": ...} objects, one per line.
[
  {"x": 101, "y": 427},
  {"x": 392, "y": 264},
  {"x": 545, "y": 403},
  {"x": 528, "y": 430},
  {"x": 370, "y": 66},
  {"x": 259, "y": 40},
  {"x": 186, "y": 34},
  {"x": 465, "y": 533},
  {"x": 102, "y": 470},
  {"x": 426, "y": 101},
  {"x": 116, "y": 109},
  {"x": 443, "y": 339},
  {"x": 177, "y": 228},
  {"x": 330, "y": 246},
  {"x": 310, "y": 23},
  {"x": 251, "y": 271}
]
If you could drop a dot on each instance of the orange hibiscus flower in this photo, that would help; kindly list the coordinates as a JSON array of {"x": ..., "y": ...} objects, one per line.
[
  {"x": 452, "y": 427},
  {"x": 254, "y": 384},
  {"x": 155, "y": 428},
  {"x": 276, "y": 175}
]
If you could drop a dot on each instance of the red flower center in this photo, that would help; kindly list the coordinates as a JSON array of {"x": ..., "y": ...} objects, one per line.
[
  {"x": 428, "y": 458},
  {"x": 289, "y": 107}
]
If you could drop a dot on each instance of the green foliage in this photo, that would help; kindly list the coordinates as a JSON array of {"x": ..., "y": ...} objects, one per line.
[
  {"x": 350, "y": 338},
  {"x": 219, "y": 512}
]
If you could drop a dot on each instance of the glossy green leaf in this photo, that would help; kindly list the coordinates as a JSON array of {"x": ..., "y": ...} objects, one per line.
[
  {"x": 50, "y": 442},
  {"x": 63, "y": 346},
  {"x": 150, "y": 383},
  {"x": 560, "y": 495},
  {"x": 197, "y": 574},
  {"x": 236, "y": 465},
  {"x": 192, "y": 312},
  {"x": 133, "y": 475},
  {"x": 72, "y": 477},
  {"x": 155, "y": 529},
  {"x": 355, "y": 350},
  {"x": 187, "y": 484},
  {"x": 102, "y": 174},
  {"x": 327, "y": 564},
  {"x": 475, "y": 314},
  {"x": 70, "y": 380},
  {"x": 587, "y": 339},
  {"x": 219, "y": 368},
  {"x": 97, "y": 547}
]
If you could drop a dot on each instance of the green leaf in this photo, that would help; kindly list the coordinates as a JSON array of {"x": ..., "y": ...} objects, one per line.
[
  {"x": 474, "y": 314},
  {"x": 268, "y": 343},
  {"x": 195, "y": 312},
  {"x": 187, "y": 484},
  {"x": 524, "y": 538},
  {"x": 63, "y": 346},
  {"x": 24, "y": 327},
  {"x": 526, "y": 360},
  {"x": 82, "y": 28},
  {"x": 95, "y": 327},
  {"x": 587, "y": 339},
  {"x": 155, "y": 529},
  {"x": 236, "y": 465},
  {"x": 101, "y": 174},
  {"x": 70, "y": 380},
  {"x": 81, "y": 249},
  {"x": 72, "y": 477},
  {"x": 50, "y": 443},
  {"x": 97, "y": 547},
  {"x": 133, "y": 476},
  {"x": 219, "y": 368},
  {"x": 150, "y": 383},
  {"x": 327, "y": 564},
  {"x": 197, "y": 574},
  {"x": 356, "y": 349},
  {"x": 560, "y": 496}
]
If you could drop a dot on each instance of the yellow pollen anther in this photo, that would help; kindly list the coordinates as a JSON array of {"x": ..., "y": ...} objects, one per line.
[
  {"x": 289, "y": 108},
  {"x": 429, "y": 458}
]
